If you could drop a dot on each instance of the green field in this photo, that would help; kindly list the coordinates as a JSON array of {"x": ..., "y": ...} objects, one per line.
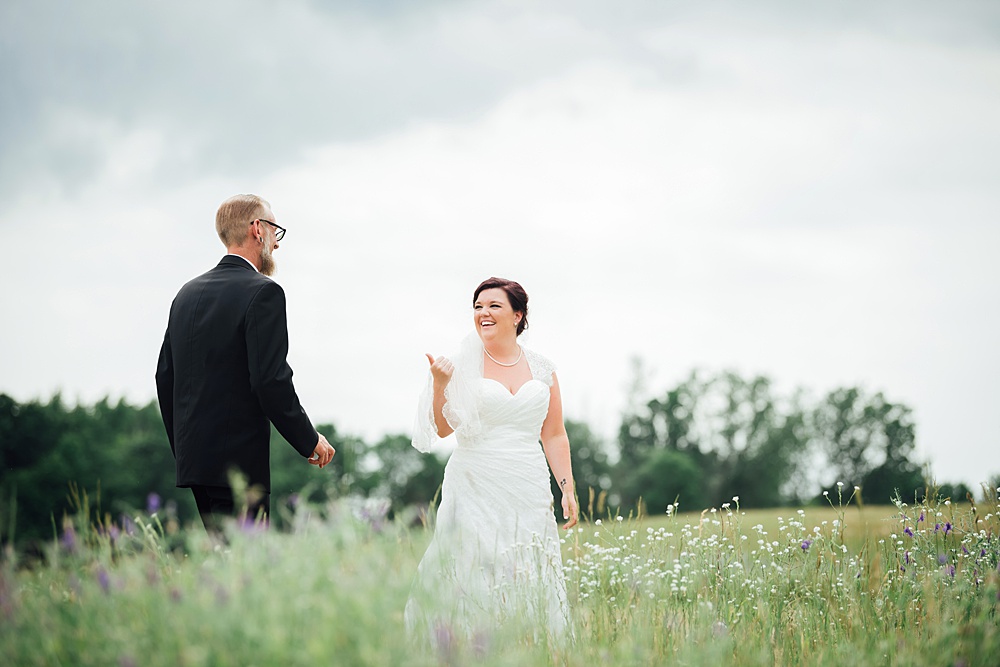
[
  {"x": 835, "y": 586},
  {"x": 860, "y": 523}
]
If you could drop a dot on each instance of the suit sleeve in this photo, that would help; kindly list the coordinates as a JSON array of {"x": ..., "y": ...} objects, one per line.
[
  {"x": 270, "y": 374},
  {"x": 165, "y": 388}
]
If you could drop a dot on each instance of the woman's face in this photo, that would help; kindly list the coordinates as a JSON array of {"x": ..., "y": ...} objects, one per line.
[{"x": 493, "y": 315}]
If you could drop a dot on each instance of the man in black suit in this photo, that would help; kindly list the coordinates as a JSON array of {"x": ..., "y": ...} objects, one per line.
[{"x": 222, "y": 376}]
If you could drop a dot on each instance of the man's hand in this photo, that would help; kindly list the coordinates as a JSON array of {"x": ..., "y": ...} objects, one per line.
[{"x": 323, "y": 453}]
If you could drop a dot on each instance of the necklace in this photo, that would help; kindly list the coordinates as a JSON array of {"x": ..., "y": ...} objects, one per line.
[{"x": 500, "y": 363}]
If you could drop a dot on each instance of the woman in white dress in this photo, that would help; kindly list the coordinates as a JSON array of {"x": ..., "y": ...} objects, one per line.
[{"x": 494, "y": 561}]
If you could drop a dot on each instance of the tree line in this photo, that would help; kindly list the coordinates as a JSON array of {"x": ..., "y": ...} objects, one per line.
[{"x": 701, "y": 442}]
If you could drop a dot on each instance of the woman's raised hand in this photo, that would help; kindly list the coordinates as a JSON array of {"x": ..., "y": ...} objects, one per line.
[{"x": 441, "y": 370}]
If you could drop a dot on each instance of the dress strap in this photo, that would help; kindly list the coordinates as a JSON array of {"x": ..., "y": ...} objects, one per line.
[{"x": 541, "y": 368}]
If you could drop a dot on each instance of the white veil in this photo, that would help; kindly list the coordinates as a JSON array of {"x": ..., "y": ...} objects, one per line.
[{"x": 460, "y": 409}]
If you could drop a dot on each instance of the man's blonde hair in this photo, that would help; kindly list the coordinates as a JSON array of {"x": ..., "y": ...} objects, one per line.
[{"x": 235, "y": 214}]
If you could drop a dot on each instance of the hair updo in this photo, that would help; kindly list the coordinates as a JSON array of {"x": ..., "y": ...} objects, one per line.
[{"x": 515, "y": 294}]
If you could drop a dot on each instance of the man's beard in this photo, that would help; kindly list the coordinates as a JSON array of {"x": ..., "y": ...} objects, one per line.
[{"x": 267, "y": 265}]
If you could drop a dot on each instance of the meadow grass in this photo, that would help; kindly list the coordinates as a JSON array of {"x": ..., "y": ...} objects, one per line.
[
  {"x": 898, "y": 585},
  {"x": 861, "y": 524}
]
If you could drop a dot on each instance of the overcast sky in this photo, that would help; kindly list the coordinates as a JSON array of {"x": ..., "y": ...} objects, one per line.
[{"x": 803, "y": 190}]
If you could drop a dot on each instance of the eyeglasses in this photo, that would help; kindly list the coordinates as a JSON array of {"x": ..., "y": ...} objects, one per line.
[{"x": 279, "y": 230}]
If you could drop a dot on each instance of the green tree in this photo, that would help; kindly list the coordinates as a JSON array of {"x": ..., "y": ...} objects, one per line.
[
  {"x": 738, "y": 419},
  {"x": 293, "y": 480},
  {"x": 669, "y": 476},
  {"x": 591, "y": 468},
  {"x": 115, "y": 452},
  {"x": 869, "y": 441},
  {"x": 402, "y": 474},
  {"x": 958, "y": 491},
  {"x": 741, "y": 438},
  {"x": 666, "y": 423},
  {"x": 27, "y": 432},
  {"x": 770, "y": 472}
]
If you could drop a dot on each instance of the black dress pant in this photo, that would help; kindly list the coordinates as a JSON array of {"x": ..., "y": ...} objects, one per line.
[{"x": 216, "y": 503}]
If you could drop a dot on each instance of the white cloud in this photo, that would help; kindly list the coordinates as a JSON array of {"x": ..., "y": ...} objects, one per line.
[{"x": 807, "y": 201}]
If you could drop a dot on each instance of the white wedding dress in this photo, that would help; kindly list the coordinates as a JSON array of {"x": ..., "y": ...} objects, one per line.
[{"x": 495, "y": 559}]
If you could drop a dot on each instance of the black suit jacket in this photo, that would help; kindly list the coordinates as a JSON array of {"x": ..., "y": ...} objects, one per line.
[{"x": 223, "y": 375}]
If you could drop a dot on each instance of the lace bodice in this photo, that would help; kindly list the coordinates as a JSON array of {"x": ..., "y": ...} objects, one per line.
[
  {"x": 469, "y": 393},
  {"x": 541, "y": 368},
  {"x": 515, "y": 419}
]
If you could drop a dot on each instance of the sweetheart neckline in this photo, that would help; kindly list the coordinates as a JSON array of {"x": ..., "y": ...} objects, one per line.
[{"x": 513, "y": 394}]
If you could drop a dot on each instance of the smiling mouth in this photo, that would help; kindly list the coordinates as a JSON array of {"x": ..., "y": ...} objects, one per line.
[{"x": 487, "y": 324}]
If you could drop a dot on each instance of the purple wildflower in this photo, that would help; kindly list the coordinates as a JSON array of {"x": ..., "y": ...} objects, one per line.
[
  {"x": 982, "y": 552},
  {"x": 249, "y": 526},
  {"x": 951, "y": 570},
  {"x": 942, "y": 559},
  {"x": 444, "y": 639},
  {"x": 965, "y": 550},
  {"x": 908, "y": 531},
  {"x": 481, "y": 644},
  {"x": 921, "y": 517},
  {"x": 947, "y": 527},
  {"x": 104, "y": 580},
  {"x": 153, "y": 503},
  {"x": 907, "y": 556},
  {"x": 128, "y": 525},
  {"x": 806, "y": 544},
  {"x": 937, "y": 527},
  {"x": 373, "y": 511},
  {"x": 68, "y": 539}
]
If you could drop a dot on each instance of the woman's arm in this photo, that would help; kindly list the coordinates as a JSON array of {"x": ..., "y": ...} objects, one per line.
[
  {"x": 441, "y": 371},
  {"x": 555, "y": 442}
]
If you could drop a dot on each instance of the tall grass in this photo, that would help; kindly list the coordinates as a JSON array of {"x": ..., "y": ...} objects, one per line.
[{"x": 921, "y": 587}]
